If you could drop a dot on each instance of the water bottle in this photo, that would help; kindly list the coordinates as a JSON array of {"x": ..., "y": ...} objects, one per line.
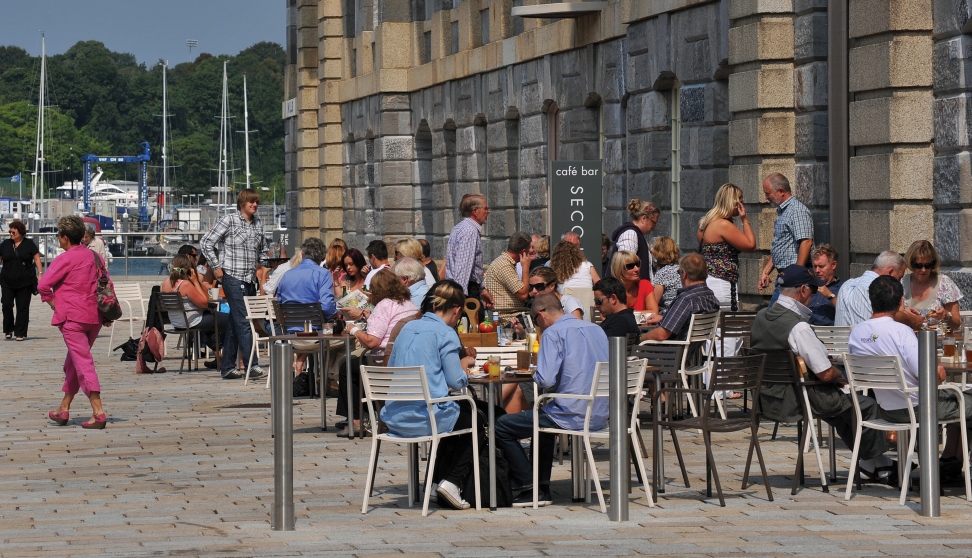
[{"x": 499, "y": 329}]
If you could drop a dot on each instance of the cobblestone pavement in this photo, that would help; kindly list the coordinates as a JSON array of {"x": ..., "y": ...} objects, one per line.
[{"x": 185, "y": 467}]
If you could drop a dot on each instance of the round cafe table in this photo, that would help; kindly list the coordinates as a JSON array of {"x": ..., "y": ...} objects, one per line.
[{"x": 492, "y": 385}]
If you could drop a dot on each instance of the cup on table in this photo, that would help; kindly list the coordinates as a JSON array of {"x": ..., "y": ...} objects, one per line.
[
  {"x": 493, "y": 366},
  {"x": 327, "y": 329},
  {"x": 948, "y": 348},
  {"x": 505, "y": 337},
  {"x": 522, "y": 360},
  {"x": 214, "y": 293}
]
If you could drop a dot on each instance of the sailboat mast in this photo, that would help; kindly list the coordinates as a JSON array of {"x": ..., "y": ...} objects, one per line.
[
  {"x": 246, "y": 132},
  {"x": 39, "y": 153},
  {"x": 224, "y": 141},
  {"x": 165, "y": 139}
]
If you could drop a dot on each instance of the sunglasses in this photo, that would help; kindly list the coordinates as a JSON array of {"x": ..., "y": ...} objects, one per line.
[
  {"x": 535, "y": 317},
  {"x": 539, "y": 286},
  {"x": 632, "y": 265},
  {"x": 917, "y": 265},
  {"x": 599, "y": 301}
]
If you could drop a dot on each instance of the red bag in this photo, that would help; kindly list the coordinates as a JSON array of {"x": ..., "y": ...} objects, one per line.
[{"x": 151, "y": 346}]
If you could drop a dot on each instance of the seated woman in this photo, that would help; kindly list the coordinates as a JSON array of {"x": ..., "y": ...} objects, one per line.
[
  {"x": 432, "y": 342},
  {"x": 667, "y": 279},
  {"x": 354, "y": 276},
  {"x": 392, "y": 301},
  {"x": 626, "y": 266},
  {"x": 186, "y": 281}
]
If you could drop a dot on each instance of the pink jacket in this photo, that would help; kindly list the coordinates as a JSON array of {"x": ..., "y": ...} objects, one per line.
[{"x": 70, "y": 281}]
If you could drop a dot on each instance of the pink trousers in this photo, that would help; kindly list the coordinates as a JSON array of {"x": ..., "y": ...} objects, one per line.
[{"x": 79, "y": 368}]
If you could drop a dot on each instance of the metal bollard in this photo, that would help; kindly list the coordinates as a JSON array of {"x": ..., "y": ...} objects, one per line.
[
  {"x": 620, "y": 474},
  {"x": 928, "y": 424},
  {"x": 282, "y": 513}
]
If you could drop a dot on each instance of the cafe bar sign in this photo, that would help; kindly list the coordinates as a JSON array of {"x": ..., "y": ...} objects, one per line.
[{"x": 575, "y": 204}]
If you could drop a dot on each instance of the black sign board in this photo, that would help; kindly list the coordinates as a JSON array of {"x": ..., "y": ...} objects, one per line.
[{"x": 576, "y": 204}]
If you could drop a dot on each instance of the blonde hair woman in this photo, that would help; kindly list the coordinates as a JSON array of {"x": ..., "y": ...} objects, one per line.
[
  {"x": 626, "y": 267},
  {"x": 630, "y": 236},
  {"x": 721, "y": 241},
  {"x": 668, "y": 280},
  {"x": 926, "y": 290}
]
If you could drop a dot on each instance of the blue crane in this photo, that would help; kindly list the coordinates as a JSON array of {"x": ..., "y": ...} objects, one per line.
[{"x": 142, "y": 159}]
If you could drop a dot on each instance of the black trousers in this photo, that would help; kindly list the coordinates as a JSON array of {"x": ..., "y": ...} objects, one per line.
[
  {"x": 17, "y": 325},
  {"x": 454, "y": 460},
  {"x": 342, "y": 396}
]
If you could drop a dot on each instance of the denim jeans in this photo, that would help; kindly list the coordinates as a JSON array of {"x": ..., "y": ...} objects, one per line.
[
  {"x": 776, "y": 292},
  {"x": 512, "y": 428},
  {"x": 238, "y": 336}
]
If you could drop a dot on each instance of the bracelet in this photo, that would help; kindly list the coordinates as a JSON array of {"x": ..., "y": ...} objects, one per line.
[{"x": 353, "y": 330}]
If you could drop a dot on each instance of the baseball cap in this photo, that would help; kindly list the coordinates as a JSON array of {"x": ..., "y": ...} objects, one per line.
[{"x": 796, "y": 275}]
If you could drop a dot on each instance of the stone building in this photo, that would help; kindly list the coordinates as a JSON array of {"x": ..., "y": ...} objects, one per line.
[{"x": 401, "y": 106}]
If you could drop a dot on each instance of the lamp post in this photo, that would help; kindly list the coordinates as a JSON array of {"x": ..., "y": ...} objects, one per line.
[
  {"x": 191, "y": 43},
  {"x": 184, "y": 199}
]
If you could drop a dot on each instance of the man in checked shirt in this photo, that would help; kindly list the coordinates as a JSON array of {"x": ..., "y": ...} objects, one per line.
[{"x": 234, "y": 248}]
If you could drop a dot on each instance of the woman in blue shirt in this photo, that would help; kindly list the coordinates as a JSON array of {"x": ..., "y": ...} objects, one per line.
[{"x": 432, "y": 342}]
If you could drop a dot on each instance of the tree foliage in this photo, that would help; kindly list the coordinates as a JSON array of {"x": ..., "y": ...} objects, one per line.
[{"x": 105, "y": 103}]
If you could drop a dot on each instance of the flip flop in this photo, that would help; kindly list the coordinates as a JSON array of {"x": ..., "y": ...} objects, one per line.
[
  {"x": 20, "y": 339},
  {"x": 8, "y": 336}
]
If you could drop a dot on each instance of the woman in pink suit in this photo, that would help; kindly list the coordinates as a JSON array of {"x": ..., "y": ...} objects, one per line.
[{"x": 69, "y": 286}]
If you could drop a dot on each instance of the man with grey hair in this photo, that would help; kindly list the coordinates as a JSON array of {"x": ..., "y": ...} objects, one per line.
[
  {"x": 309, "y": 282},
  {"x": 464, "y": 253},
  {"x": 854, "y": 302},
  {"x": 572, "y": 237},
  {"x": 94, "y": 242},
  {"x": 792, "y": 232},
  {"x": 511, "y": 290},
  {"x": 412, "y": 274}
]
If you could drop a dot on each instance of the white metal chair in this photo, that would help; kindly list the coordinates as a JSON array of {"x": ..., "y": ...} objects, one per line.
[
  {"x": 635, "y": 383},
  {"x": 701, "y": 333},
  {"x": 409, "y": 383},
  {"x": 880, "y": 373},
  {"x": 835, "y": 340},
  {"x": 259, "y": 309},
  {"x": 130, "y": 298}
]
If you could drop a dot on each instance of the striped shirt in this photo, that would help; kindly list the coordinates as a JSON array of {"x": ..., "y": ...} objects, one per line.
[
  {"x": 693, "y": 299},
  {"x": 793, "y": 224},
  {"x": 854, "y": 302},
  {"x": 464, "y": 254},
  {"x": 235, "y": 246}
]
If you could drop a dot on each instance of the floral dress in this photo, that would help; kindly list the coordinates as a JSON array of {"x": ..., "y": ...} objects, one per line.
[
  {"x": 722, "y": 260},
  {"x": 669, "y": 278}
]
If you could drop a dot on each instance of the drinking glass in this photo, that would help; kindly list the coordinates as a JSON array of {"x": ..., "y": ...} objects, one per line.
[{"x": 493, "y": 365}]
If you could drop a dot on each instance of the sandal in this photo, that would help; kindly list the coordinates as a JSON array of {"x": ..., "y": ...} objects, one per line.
[
  {"x": 8, "y": 335},
  {"x": 20, "y": 339}
]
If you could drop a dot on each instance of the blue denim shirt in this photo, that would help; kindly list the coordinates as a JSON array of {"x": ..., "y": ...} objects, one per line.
[
  {"x": 306, "y": 283},
  {"x": 569, "y": 352},
  {"x": 418, "y": 291},
  {"x": 429, "y": 342}
]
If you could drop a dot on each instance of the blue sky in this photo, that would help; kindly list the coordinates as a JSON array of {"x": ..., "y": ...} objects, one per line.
[{"x": 151, "y": 30}]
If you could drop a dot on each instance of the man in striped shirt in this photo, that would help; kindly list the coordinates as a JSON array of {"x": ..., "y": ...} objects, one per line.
[
  {"x": 792, "y": 233},
  {"x": 464, "y": 253}
]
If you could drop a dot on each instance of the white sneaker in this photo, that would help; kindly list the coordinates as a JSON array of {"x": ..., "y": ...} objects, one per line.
[{"x": 448, "y": 493}]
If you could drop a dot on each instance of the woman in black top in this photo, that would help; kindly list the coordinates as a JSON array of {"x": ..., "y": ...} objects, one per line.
[{"x": 17, "y": 279}]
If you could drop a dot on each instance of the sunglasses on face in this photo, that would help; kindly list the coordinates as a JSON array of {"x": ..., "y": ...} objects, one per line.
[
  {"x": 921, "y": 265},
  {"x": 535, "y": 317},
  {"x": 539, "y": 286},
  {"x": 599, "y": 301},
  {"x": 632, "y": 265}
]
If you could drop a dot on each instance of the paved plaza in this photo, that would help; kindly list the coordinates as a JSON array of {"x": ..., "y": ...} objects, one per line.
[{"x": 185, "y": 468}]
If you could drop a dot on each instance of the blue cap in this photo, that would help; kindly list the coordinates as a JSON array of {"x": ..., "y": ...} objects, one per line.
[{"x": 797, "y": 275}]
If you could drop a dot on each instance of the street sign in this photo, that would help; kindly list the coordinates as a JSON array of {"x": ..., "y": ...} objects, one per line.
[{"x": 576, "y": 204}]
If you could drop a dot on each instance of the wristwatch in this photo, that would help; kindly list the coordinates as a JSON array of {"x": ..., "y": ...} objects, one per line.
[{"x": 832, "y": 296}]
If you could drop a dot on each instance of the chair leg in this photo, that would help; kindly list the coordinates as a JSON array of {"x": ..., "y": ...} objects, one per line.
[
  {"x": 762, "y": 467},
  {"x": 372, "y": 469},
  {"x": 691, "y": 399},
  {"x": 428, "y": 476},
  {"x": 711, "y": 466},
  {"x": 184, "y": 341},
  {"x": 594, "y": 477},
  {"x": 681, "y": 462},
  {"x": 249, "y": 363},
  {"x": 749, "y": 459},
  {"x": 776, "y": 428},
  {"x": 853, "y": 462},
  {"x": 965, "y": 458},
  {"x": 816, "y": 448},
  {"x": 907, "y": 480},
  {"x": 111, "y": 339},
  {"x": 640, "y": 462},
  {"x": 798, "y": 475}
]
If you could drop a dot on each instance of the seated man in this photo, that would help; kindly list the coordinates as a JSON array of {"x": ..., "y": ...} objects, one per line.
[
  {"x": 882, "y": 335},
  {"x": 693, "y": 298},
  {"x": 308, "y": 282},
  {"x": 569, "y": 351},
  {"x": 611, "y": 298},
  {"x": 510, "y": 290},
  {"x": 784, "y": 326},
  {"x": 412, "y": 274}
]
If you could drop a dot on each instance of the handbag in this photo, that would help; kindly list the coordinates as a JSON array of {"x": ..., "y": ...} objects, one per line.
[{"x": 108, "y": 305}]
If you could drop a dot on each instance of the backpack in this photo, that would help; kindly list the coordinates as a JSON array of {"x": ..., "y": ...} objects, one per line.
[
  {"x": 151, "y": 348},
  {"x": 302, "y": 385},
  {"x": 129, "y": 350}
]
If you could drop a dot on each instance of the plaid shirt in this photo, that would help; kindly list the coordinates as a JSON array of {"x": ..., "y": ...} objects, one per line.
[
  {"x": 464, "y": 254},
  {"x": 503, "y": 282},
  {"x": 235, "y": 246},
  {"x": 694, "y": 299},
  {"x": 793, "y": 224}
]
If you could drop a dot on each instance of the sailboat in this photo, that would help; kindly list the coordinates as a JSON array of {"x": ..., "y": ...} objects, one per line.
[{"x": 37, "y": 181}]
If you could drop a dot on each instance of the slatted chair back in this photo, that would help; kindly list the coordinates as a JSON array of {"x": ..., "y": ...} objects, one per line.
[
  {"x": 737, "y": 373},
  {"x": 291, "y": 315},
  {"x": 835, "y": 338},
  {"x": 595, "y": 314},
  {"x": 735, "y": 325}
]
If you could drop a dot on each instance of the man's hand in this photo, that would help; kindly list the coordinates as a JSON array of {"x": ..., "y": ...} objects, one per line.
[
  {"x": 218, "y": 272},
  {"x": 466, "y": 352},
  {"x": 487, "y": 298},
  {"x": 654, "y": 319},
  {"x": 826, "y": 293},
  {"x": 764, "y": 280}
]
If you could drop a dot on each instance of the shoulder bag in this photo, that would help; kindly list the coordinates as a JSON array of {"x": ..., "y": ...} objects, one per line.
[{"x": 108, "y": 305}]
